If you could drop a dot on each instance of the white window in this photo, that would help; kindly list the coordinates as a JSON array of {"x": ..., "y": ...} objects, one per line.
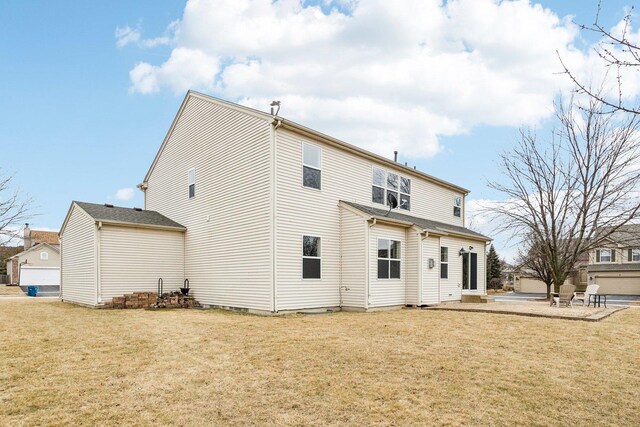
[
  {"x": 44, "y": 256},
  {"x": 605, "y": 255},
  {"x": 385, "y": 183},
  {"x": 634, "y": 255},
  {"x": 311, "y": 166},
  {"x": 388, "y": 259},
  {"x": 191, "y": 177},
  {"x": 444, "y": 263},
  {"x": 311, "y": 257},
  {"x": 457, "y": 206}
]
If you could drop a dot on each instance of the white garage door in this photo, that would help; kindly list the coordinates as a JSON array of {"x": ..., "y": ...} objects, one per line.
[
  {"x": 39, "y": 276},
  {"x": 618, "y": 285}
]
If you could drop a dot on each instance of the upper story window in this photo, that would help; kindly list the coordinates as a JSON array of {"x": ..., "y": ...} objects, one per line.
[
  {"x": 385, "y": 183},
  {"x": 44, "y": 256},
  {"x": 634, "y": 255},
  {"x": 191, "y": 179},
  {"x": 311, "y": 257},
  {"x": 311, "y": 166},
  {"x": 457, "y": 206},
  {"x": 444, "y": 263},
  {"x": 388, "y": 259},
  {"x": 605, "y": 255}
]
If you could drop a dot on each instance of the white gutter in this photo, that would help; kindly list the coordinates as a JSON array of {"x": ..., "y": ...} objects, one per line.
[{"x": 98, "y": 284}]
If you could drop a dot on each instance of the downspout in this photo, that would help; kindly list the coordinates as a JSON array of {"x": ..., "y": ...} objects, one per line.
[
  {"x": 421, "y": 238},
  {"x": 371, "y": 222},
  {"x": 98, "y": 285},
  {"x": 275, "y": 124}
]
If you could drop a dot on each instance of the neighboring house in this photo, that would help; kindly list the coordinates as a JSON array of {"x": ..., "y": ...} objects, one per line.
[
  {"x": 267, "y": 215},
  {"x": 39, "y": 262},
  {"x": 616, "y": 265}
]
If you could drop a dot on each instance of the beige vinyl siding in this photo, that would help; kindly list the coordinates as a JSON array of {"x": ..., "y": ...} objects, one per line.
[
  {"x": 78, "y": 259},
  {"x": 300, "y": 210},
  {"x": 451, "y": 288},
  {"x": 353, "y": 247},
  {"x": 387, "y": 292},
  {"x": 32, "y": 258},
  {"x": 430, "y": 276},
  {"x": 228, "y": 248},
  {"x": 413, "y": 253},
  {"x": 132, "y": 259}
]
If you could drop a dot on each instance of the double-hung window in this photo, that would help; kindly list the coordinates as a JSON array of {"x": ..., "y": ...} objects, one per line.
[
  {"x": 389, "y": 261},
  {"x": 311, "y": 257},
  {"x": 311, "y": 166},
  {"x": 634, "y": 255},
  {"x": 605, "y": 255},
  {"x": 457, "y": 206},
  {"x": 191, "y": 179},
  {"x": 385, "y": 183},
  {"x": 444, "y": 263}
]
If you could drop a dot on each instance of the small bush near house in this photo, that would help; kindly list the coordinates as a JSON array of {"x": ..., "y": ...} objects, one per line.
[{"x": 495, "y": 283}]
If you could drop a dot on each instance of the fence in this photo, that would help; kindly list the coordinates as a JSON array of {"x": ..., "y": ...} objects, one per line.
[{"x": 4, "y": 279}]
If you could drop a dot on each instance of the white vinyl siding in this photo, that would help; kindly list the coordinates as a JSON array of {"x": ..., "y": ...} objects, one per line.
[
  {"x": 430, "y": 276},
  {"x": 133, "y": 259},
  {"x": 451, "y": 288},
  {"x": 228, "y": 243},
  {"x": 78, "y": 259},
  {"x": 353, "y": 247},
  {"x": 386, "y": 292},
  {"x": 413, "y": 251}
]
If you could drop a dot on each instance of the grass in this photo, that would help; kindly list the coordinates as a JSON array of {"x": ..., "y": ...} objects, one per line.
[{"x": 64, "y": 365}]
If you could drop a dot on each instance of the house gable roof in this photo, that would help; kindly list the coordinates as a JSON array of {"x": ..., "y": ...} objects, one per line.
[
  {"x": 110, "y": 214},
  {"x": 41, "y": 236},
  {"x": 431, "y": 226},
  {"x": 627, "y": 235},
  {"x": 35, "y": 247},
  {"x": 300, "y": 129}
]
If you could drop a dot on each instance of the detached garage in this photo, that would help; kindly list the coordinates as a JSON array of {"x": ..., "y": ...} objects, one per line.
[{"x": 109, "y": 251}]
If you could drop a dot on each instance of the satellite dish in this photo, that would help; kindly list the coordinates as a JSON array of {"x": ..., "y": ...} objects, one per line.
[{"x": 392, "y": 200}]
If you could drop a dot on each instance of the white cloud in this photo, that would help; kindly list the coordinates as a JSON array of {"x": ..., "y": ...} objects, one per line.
[
  {"x": 125, "y": 194},
  {"x": 126, "y": 35},
  {"x": 383, "y": 75}
]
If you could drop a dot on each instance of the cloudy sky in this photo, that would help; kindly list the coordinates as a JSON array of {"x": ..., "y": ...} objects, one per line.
[{"x": 89, "y": 89}]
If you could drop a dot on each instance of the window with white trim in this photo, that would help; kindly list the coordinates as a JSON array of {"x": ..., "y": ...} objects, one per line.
[
  {"x": 311, "y": 257},
  {"x": 634, "y": 255},
  {"x": 311, "y": 166},
  {"x": 389, "y": 259},
  {"x": 385, "y": 183},
  {"x": 444, "y": 262},
  {"x": 605, "y": 255},
  {"x": 457, "y": 206},
  {"x": 44, "y": 256},
  {"x": 191, "y": 179}
]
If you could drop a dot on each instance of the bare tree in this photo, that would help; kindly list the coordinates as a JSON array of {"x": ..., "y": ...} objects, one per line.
[
  {"x": 14, "y": 209},
  {"x": 565, "y": 196},
  {"x": 617, "y": 53},
  {"x": 531, "y": 260}
]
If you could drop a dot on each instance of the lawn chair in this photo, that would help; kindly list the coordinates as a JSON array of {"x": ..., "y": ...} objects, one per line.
[
  {"x": 565, "y": 296},
  {"x": 584, "y": 296}
]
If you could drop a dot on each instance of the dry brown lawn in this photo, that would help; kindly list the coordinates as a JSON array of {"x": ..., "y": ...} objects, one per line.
[
  {"x": 66, "y": 365},
  {"x": 13, "y": 291}
]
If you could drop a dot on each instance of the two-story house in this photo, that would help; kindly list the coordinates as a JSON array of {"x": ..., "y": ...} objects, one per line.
[
  {"x": 615, "y": 266},
  {"x": 39, "y": 262},
  {"x": 261, "y": 213}
]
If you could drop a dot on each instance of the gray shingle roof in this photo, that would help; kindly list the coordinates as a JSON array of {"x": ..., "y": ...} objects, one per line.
[
  {"x": 627, "y": 235},
  {"x": 127, "y": 215},
  {"x": 420, "y": 222}
]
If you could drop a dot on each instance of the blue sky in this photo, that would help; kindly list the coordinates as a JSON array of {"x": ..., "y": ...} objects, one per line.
[{"x": 76, "y": 126}]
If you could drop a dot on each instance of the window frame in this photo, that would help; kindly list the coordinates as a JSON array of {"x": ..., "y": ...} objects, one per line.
[
  {"x": 44, "y": 256},
  {"x": 319, "y": 257},
  {"x": 385, "y": 188},
  {"x": 319, "y": 169},
  {"x": 457, "y": 205},
  {"x": 388, "y": 259},
  {"x": 611, "y": 256},
  {"x": 634, "y": 252},
  {"x": 446, "y": 248},
  {"x": 189, "y": 183}
]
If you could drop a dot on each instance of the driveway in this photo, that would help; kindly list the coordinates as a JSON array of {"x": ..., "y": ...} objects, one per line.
[
  {"x": 44, "y": 290},
  {"x": 611, "y": 299}
]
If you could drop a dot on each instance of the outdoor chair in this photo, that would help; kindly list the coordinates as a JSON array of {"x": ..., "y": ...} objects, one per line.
[
  {"x": 565, "y": 296},
  {"x": 584, "y": 296}
]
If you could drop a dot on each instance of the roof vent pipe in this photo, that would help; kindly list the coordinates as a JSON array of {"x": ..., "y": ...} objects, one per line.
[
  {"x": 273, "y": 105},
  {"x": 395, "y": 156}
]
